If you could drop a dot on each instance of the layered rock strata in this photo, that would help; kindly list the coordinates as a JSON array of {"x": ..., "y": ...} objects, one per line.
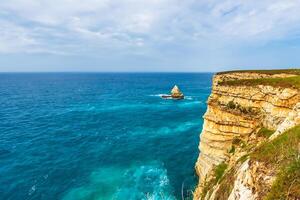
[{"x": 239, "y": 112}]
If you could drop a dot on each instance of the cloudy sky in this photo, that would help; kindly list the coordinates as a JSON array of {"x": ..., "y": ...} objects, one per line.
[{"x": 148, "y": 35}]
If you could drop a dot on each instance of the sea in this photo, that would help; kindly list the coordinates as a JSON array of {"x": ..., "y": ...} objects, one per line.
[{"x": 99, "y": 136}]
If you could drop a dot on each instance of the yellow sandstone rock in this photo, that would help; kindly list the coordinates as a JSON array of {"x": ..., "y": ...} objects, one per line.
[
  {"x": 176, "y": 93},
  {"x": 238, "y": 112}
]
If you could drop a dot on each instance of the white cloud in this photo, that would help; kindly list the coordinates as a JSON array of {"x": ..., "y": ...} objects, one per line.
[
  {"x": 73, "y": 26},
  {"x": 14, "y": 38}
]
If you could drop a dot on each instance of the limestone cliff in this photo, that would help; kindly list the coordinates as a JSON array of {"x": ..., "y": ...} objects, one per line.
[{"x": 235, "y": 114}]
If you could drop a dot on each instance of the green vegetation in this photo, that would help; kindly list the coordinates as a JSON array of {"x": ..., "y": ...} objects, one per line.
[
  {"x": 219, "y": 171},
  {"x": 280, "y": 150},
  {"x": 243, "y": 158},
  {"x": 237, "y": 142},
  {"x": 245, "y": 110},
  {"x": 264, "y": 132},
  {"x": 217, "y": 176},
  {"x": 270, "y": 72},
  {"x": 231, "y": 105},
  {"x": 283, "y": 155},
  {"x": 287, "y": 183},
  {"x": 226, "y": 185},
  {"x": 290, "y": 82},
  {"x": 232, "y": 149}
]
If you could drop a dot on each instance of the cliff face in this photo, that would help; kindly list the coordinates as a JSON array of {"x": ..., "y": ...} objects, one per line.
[{"x": 237, "y": 113}]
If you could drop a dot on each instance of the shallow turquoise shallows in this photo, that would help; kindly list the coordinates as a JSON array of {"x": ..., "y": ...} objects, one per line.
[{"x": 99, "y": 136}]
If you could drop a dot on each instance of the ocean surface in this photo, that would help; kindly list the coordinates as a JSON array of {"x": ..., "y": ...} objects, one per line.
[{"x": 99, "y": 136}]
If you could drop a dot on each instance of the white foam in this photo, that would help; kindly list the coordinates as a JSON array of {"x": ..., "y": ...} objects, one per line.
[
  {"x": 161, "y": 95},
  {"x": 32, "y": 190},
  {"x": 188, "y": 98},
  {"x": 147, "y": 181},
  {"x": 157, "y": 95}
]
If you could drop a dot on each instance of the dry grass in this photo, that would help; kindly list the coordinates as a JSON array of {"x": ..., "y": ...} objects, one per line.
[
  {"x": 290, "y": 82},
  {"x": 270, "y": 72}
]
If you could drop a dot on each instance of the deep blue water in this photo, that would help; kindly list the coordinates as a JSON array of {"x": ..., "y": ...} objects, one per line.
[{"x": 99, "y": 135}]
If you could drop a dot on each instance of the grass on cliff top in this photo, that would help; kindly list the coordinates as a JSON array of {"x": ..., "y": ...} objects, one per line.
[
  {"x": 283, "y": 155},
  {"x": 270, "y": 72},
  {"x": 290, "y": 82}
]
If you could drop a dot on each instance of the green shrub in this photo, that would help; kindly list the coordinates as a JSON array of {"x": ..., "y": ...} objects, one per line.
[
  {"x": 219, "y": 171},
  {"x": 236, "y": 141},
  {"x": 232, "y": 150},
  {"x": 231, "y": 105},
  {"x": 264, "y": 132},
  {"x": 243, "y": 158},
  {"x": 245, "y": 110}
]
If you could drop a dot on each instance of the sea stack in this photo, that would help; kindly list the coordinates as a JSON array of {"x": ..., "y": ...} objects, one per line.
[{"x": 176, "y": 93}]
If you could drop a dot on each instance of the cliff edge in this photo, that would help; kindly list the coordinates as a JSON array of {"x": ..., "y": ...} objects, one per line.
[{"x": 251, "y": 137}]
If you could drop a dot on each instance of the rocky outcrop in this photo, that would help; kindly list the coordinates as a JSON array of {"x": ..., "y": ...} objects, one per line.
[
  {"x": 290, "y": 121},
  {"x": 252, "y": 180},
  {"x": 176, "y": 93},
  {"x": 238, "y": 112},
  {"x": 241, "y": 189}
]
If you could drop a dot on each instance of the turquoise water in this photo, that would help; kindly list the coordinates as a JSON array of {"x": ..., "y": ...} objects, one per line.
[{"x": 99, "y": 135}]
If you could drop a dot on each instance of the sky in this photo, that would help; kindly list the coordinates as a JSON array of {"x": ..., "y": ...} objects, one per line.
[{"x": 148, "y": 35}]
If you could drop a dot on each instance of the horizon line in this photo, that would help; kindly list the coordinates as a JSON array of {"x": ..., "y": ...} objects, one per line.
[{"x": 108, "y": 72}]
